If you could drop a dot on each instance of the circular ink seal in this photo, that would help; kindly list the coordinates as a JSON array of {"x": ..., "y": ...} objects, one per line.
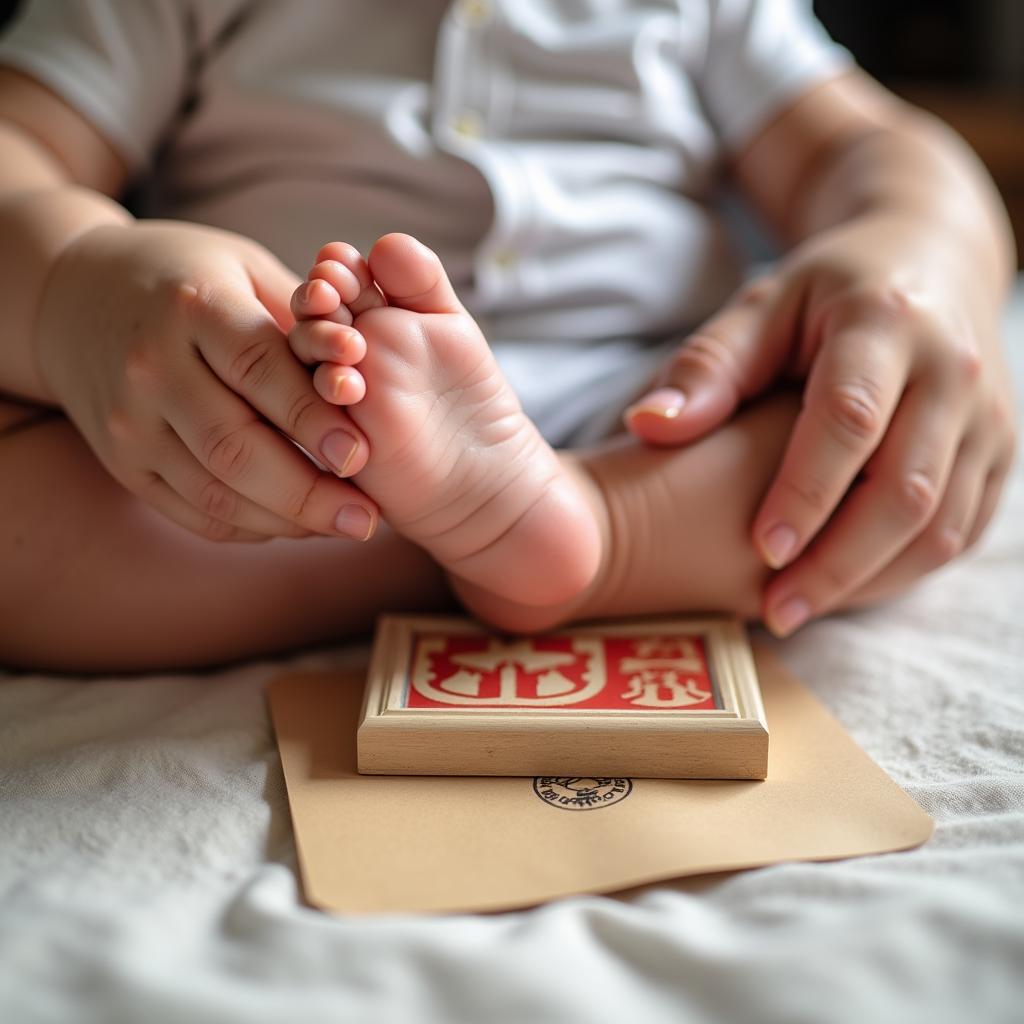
[{"x": 581, "y": 794}]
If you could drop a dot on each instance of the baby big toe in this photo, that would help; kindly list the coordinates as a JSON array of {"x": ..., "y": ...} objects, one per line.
[{"x": 411, "y": 276}]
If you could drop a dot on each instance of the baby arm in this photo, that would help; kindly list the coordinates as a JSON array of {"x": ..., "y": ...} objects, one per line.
[
  {"x": 888, "y": 305},
  {"x": 162, "y": 342}
]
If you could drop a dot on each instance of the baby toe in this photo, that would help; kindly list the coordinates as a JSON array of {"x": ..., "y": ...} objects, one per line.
[
  {"x": 317, "y": 298},
  {"x": 319, "y": 341},
  {"x": 349, "y": 257},
  {"x": 340, "y": 277},
  {"x": 339, "y": 385}
]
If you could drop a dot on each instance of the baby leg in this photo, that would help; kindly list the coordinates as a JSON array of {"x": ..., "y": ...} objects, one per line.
[
  {"x": 96, "y": 580},
  {"x": 674, "y": 522}
]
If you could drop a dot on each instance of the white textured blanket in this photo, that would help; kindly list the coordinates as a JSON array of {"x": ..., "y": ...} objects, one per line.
[{"x": 147, "y": 870}]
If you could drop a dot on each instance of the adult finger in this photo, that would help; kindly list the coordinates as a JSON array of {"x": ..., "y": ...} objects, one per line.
[
  {"x": 854, "y": 386},
  {"x": 158, "y": 493},
  {"x": 944, "y": 537},
  {"x": 247, "y": 352},
  {"x": 273, "y": 284},
  {"x": 735, "y": 354},
  {"x": 898, "y": 498},
  {"x": 994, "y": 484},
  {"x": 227, "y": 437},
  {"x": 214, "y": 498}
]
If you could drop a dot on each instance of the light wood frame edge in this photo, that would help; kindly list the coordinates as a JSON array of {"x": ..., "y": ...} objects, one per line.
[{"x": 728, "y": 652}]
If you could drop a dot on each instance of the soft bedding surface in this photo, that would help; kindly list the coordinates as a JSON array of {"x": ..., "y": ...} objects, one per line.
[{"x": 147, "y": 869}]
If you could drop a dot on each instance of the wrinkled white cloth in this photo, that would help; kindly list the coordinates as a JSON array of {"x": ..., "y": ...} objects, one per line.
[{"x": 147, "y": 870}]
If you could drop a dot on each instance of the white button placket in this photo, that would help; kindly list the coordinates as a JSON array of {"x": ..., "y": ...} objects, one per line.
[
  {"x": 470, "y": 97},
  {"x": 474, "y": 13}
]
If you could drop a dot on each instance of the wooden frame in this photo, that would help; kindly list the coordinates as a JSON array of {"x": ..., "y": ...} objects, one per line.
[{"x": 664, "y": 698}]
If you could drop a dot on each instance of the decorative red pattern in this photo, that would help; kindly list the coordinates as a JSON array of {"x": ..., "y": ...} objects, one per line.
[{"x": 623, "y": 673}]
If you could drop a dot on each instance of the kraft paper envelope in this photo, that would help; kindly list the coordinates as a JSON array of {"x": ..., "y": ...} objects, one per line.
[{"x": 396, "y": 844}]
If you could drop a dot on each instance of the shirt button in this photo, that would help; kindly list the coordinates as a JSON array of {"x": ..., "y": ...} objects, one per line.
[
  {"x": 473, "y": 12},
  {"x": 505, "y": 259},
  {"x": 469, "y": 124}
]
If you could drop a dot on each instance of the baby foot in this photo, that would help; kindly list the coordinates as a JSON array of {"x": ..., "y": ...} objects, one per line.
[
  {"x": 675, "y": 524},
  {"x": 455, "y": 465}
]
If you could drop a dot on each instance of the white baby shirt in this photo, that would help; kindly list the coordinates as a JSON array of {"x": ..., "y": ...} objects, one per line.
[{"x": 559, "y": 155}]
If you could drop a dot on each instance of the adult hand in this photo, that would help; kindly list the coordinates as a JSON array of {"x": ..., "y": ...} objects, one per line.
[
  {"x": 165, "y": 344},
  {"x": 900, "y": 452}
]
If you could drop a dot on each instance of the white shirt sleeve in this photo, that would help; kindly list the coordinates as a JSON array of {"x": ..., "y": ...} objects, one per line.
[
  {"x": 123, "y": 64},
  {"x": 762, "y": 54}
]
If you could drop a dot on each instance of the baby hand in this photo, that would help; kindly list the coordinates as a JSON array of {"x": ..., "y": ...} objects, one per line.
[
  {"x": 165, "y": 345},
  {"x": 898, "y": 457}
]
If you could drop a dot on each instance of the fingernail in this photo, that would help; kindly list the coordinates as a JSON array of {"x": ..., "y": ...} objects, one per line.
[
  {"x": 339, "y": 448},
  {"x": 789, "y": 615},
  {"x": 664, "y": 402},
  {"x": 779, "y": 543},
  {"x": 354, "y": 521}
]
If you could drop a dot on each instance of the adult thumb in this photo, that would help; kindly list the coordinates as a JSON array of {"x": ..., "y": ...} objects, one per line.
[
  {"x": 732, "y": 356},
  {"x": 273, "y": 284}
]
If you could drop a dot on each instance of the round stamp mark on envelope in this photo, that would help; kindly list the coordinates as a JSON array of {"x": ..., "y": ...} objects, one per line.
[{"x": 581, "y": 794}]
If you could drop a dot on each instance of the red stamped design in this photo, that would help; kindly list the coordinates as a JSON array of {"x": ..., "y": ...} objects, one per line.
[{"x": 600, "y": 673}]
